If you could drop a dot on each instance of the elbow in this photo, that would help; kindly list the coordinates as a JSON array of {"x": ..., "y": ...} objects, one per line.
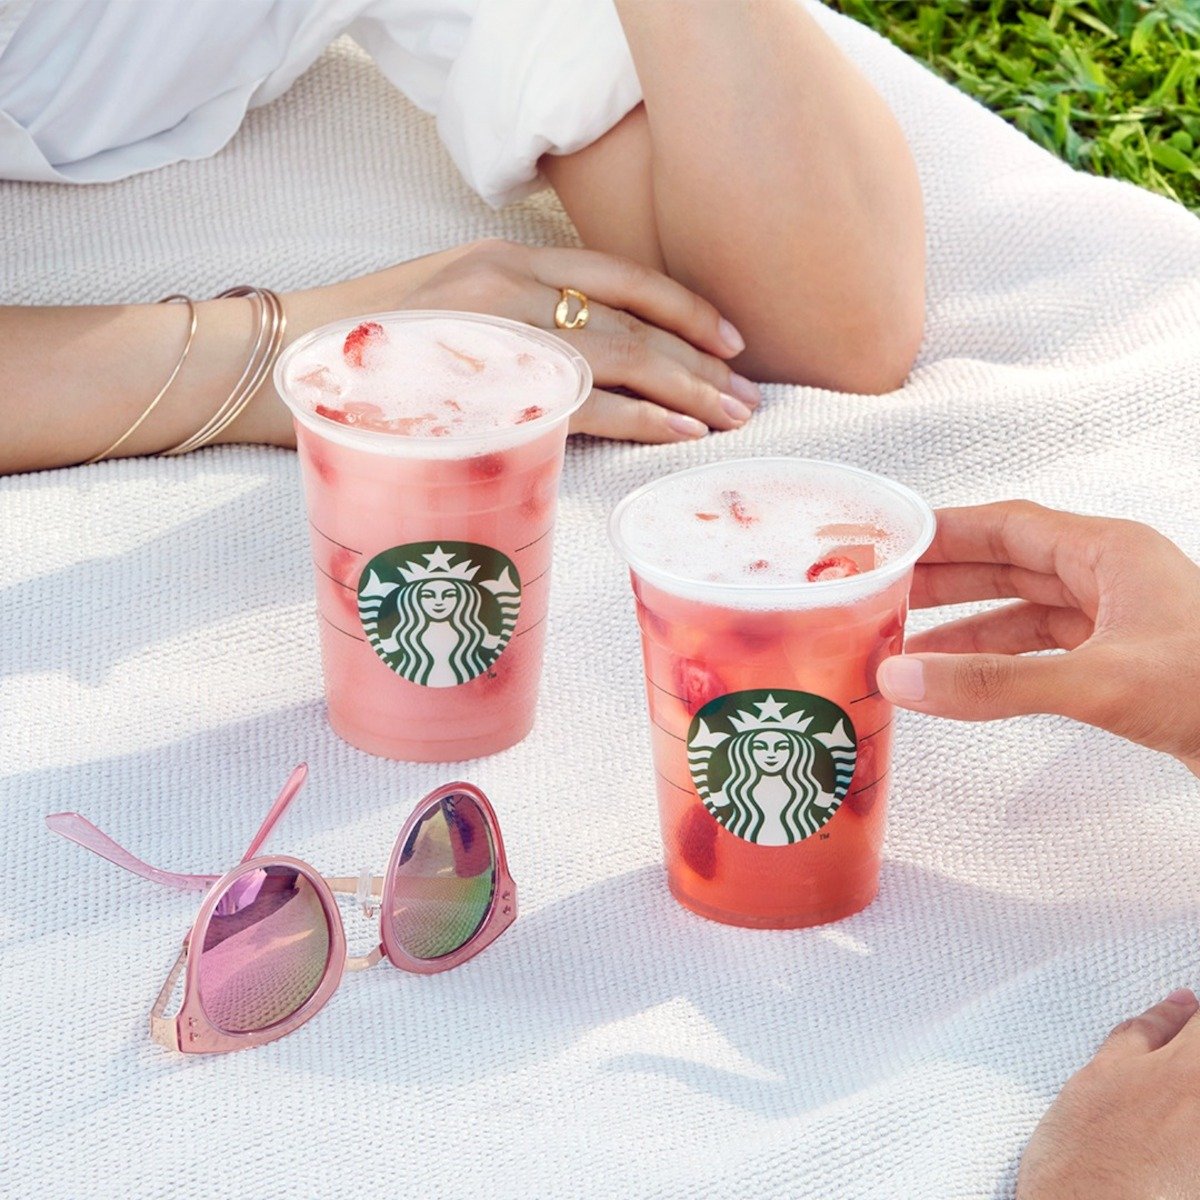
[{"x": 865, "y": 344}]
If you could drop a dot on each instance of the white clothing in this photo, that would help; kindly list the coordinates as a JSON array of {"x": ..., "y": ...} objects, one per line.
[{"x": 96, "y": 90}]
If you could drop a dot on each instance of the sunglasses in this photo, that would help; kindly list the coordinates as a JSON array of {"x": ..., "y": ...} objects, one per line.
[{"x": 267, "y": 948}]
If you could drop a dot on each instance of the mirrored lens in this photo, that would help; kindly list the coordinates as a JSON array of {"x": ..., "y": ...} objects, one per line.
[
  {"x": 445, "y": 878},
  {"x": 265, "y": 949}
]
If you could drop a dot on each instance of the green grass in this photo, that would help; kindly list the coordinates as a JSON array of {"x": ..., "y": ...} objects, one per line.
[{"x": 1112, "y": 86}]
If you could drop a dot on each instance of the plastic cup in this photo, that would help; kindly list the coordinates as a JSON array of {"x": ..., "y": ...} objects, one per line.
[
  {"x": 772, "y": 744},
  {"x": 432, "y": 562}
]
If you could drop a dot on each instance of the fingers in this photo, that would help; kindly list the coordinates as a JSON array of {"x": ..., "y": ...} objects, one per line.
[
  {"x": 641, "y": 364},
  {"x": 608, "y": 414},
  {"x": 1012, "y": 531},
  {"x": 936, "y": 584},
  {"x": 1012, "y": 629},
  {"x": 657, "y": 298},
  {"x": 983, "y": 687},
  {"x": 1153, "y": 1029}
]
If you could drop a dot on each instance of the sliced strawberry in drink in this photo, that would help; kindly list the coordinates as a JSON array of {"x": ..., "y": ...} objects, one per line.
[
  {"x": 833, "y": 566},
  {"x": 866, "y": 787},
  {"x": 850, "y": 532},
  {"x": 333, "y": 414},
  {"x": 696, "y": 684},
  {"x": 759, "y": 564},
  {"x": 343, "y": 565},
  {"x": 359, "y": 339},
  {"x": 530, "y": 414},
  {"x": 708, "y": 516},
  {"x": 474, "y": 365},
  {"x": 737, "y": 508},
  {"x": 698, "y": 841},
  {"x": 486, "y": 466}
]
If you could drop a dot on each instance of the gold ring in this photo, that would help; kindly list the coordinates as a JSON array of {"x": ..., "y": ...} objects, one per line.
[{"x": 563, "y": 307}]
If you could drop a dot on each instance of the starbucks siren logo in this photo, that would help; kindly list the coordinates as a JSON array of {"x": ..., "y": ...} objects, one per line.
[
  {"x": 771, "y": 766},
  {"x": 439, "y": 613}
]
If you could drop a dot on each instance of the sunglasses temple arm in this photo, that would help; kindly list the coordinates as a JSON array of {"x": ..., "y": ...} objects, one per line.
[
  {"x": 83, "y": 833},
  {"x": 295, "y": 782}
]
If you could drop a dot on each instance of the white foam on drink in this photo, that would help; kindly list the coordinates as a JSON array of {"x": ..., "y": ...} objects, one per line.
[
  {"x": 431, "y": 377},
  {"x": 751, "y": 528}
]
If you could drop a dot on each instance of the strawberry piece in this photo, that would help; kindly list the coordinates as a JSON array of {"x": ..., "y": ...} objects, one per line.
[
  {"x": 486, "y": 466},
  {"x": 695, "y": 684},
  {"x": 530, "y": 414},
  {"x": 333, "y": 414},
  {"x": 354, "y": 348},
  {"x": 835, "y": 566},
  {"x": 698, "y": 841},
  {"x": 737, "y": 509},
  {"x": 707, "y": 517},
  {"x": 759, "y": 564},
  {"x": 476, "y": 364}
]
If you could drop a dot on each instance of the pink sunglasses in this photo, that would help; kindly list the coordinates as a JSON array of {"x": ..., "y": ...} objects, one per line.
[{"x": 272, "y": 943}]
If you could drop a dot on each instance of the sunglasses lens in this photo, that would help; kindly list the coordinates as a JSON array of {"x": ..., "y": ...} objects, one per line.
[
  {"x": 265, "y": 950},
  {"x": 445, "y": 878}
]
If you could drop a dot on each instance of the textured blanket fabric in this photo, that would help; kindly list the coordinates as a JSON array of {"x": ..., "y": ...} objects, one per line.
[{"x": 160, "y": 674}]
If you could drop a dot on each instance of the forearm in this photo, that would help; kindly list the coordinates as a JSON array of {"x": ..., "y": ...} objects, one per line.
[
  {"x": 73, "y": 379},
  {"x": 779, "y": 176}
]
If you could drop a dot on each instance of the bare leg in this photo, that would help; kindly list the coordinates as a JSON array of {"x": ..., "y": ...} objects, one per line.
[{"x": 766, "y": 174}]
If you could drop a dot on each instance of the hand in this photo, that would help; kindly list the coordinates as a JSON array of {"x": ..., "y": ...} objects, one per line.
[
  {"x": 1124, "y": 1127},
  {"x": 1121, "y": 599},
  {"x": 645, "y": 334}
]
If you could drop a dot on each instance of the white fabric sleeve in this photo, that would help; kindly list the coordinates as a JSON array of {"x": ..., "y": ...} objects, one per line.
[{"x": 509, "y": 80}]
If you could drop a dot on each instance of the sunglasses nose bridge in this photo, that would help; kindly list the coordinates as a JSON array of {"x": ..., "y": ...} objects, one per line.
[{"x": 366, "y": 894}]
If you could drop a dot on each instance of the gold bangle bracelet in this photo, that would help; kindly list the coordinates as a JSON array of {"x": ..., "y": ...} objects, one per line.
[
  {"x": 272, "y": 323},
  {"x": 187, "y": 345}
]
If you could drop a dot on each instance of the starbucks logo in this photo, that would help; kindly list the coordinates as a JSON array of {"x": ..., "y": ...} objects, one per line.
[
  {"x": 771, "y": 766},
  {"x": 439, "y": 613}
]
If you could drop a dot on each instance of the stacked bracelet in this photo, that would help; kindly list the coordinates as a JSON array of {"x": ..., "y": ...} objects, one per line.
[
  {"x": 271, "y": 326},
  {"x": 187, "y": 345}
]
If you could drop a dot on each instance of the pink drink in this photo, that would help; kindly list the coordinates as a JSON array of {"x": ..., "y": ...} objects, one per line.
[
  {"x": 431, "y": 446},
  {"x": 768, "y": 592}
]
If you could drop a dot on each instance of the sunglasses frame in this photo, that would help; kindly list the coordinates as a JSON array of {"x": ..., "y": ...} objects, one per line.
[{"x": 190, "y": 1031}]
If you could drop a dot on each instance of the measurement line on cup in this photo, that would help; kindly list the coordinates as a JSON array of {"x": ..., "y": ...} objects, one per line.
[
  {"x": 335, "y": 541},
  {"x": 664, "y": 691},
  {"x": 525, "y": 583},
  {"x": 340, "y": 629},
  {"x": 871, "y": 735},
  {"x": 674, "y": 784},
  {"x": 866, "y": 787},
  {"x": 348, "y": 586},
  {"x": 665, "y": 730},
  {"x": 869, "y": 696},
  {"x": 535, "y": 540},
  {"x": 527, "y": 630}
]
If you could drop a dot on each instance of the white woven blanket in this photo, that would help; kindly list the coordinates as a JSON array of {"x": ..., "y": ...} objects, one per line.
[{"x": 160, "y": 674}]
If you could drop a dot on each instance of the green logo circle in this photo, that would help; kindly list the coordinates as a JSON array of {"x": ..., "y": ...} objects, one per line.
[
  {"x": 439, "y": 613},
  {"x": 772, "y": 766}
]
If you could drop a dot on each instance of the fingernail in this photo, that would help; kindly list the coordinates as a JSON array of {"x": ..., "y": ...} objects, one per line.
[
  {"x": 902, "y": 679},
  {"x": 746, "y": 390},
  {"x": 730, "y": 336},
  {"x": 1182, "y": 996},
  {"x": 688, "y": 427},
  {"x": 735, "y": 409}
]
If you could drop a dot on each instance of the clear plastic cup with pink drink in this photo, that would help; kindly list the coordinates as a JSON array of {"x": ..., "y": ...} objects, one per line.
[
  {"x": 768, "y": 592},
  {"x": 431, "y": 445}
]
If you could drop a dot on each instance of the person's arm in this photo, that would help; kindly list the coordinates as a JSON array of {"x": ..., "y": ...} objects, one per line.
[
  {"x": 765, "y": 173},
  {"x": 73, "y": 379},
  {"x": 1122, "y": 601},
  {"x": 1124, "y": 1127}
]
